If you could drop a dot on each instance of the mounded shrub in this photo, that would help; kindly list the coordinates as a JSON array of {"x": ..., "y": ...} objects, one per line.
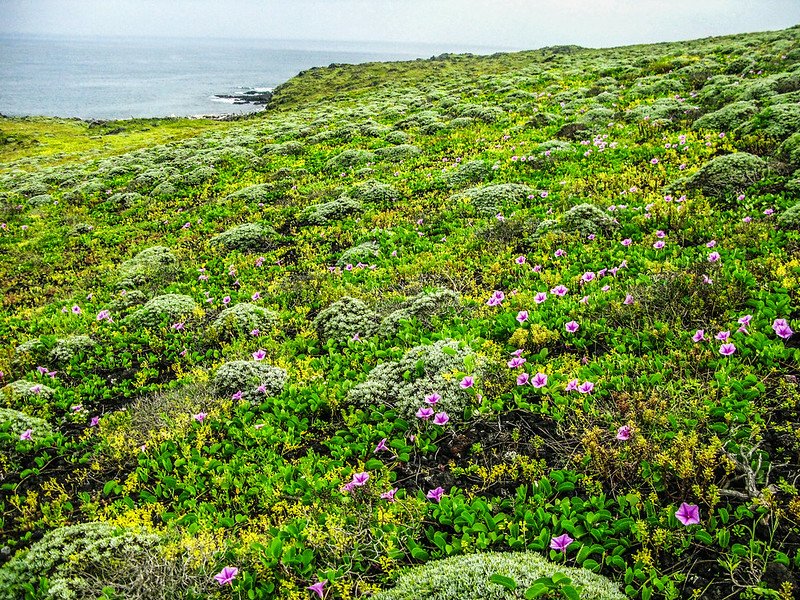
[
  {"x": 14, "y": 423},
  {"x": 28, "y": 394},
  {"x": 124, "y": 199},
  {"x": 335, "y": 210},
  {"x": 587, "y": 219},
  {"x": 349, "y": 159},
  {"x": 247, "y": 237},
  {"x": 170, "y": 307},
  {"x": 80, "y": 560},
  {"x": 790, "y": 150},
  {"x": 467, "y": 578},
  {"x": 467, "y": 173},
  {"x": 66, "y": 348},
  {"x": 790, "y": 218},
  {"x": 398, "y": 153},
  {"x": 431, "y": 368},
  {"x": 423, "y": 306},
  {"x": 261, "y": 192},
  {"x": 242, "y": 318},
  {"x": 363, "y": 253},
  {"x": 375, "y": 191},
  {"x": 777, "y": 121},
  {"x": 489, "y": 200},
  {"x": 40, "y": 200},
  {"x": 727, "y": 118},
  {"x": 247, "y": 376},
  {"x": 397, "y": 137},
  {"x": 200, "y": 175},
  {"x": 725, "y": 177},
  {"x": 155, "y": 265},
  {"x": 345, "y": 318}
]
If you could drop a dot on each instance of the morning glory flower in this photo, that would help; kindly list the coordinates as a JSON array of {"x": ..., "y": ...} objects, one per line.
[
  {"x": 624, "y": 433},
  {"x": 539, "y": 380},
  {"x": 381, "y": 446},
  {"x": 559, "y": 291},
  {"x": 441, "y": 419},
  {"x": 571, "y": 386},
  {"x": 571, "y": 326},
  {"x": 318, "y": 588},
  {"x": 226, "y": 576},
  {"x": 714, "y": 257},
  {"x": 522, "y": 316},
  {"x": 200, "y": 417},
  {"x": 523, "y": 378},
  {"x": 467, "y": 382},
  {"x": 389, "y": 495},
  {"x": 435, "y": 494},
  {"x": 699, "y": 335},
  {"x": 586, "y": 387},
  {"x": 727, "y": 349},
  {"x": 259, "y": 354},
  {"x": 433, "y": 398},
  {"x": 360, "y": 479},
  {"x": 424, "y": 413},
  {"x": 688, "y": 514},
  {"x": 540, "y": 297},
  {"x": 26, "y": 435},
  {"x": 561, "y": 543},
  {"x": 517, "y": 361}
]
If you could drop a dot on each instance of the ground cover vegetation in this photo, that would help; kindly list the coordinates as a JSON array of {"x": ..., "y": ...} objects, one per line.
[{"x": 510, "y": 326}]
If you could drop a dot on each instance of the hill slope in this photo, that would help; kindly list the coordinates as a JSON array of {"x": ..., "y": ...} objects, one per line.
[{"x": 413, "y": 311}]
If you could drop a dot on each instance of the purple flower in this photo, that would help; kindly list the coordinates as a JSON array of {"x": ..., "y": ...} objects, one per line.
[
  {"x": 237, "y": 395},
  {"x": 76, "y": 310},
  {"x": 523, "y": 379},
  {"x": 727, "y": 349},
  {"x": 520, "y": 260},
  {"x": 571, "y": 386},
  {"x": 745, "y": 320},
  {"x": 26, "y": 435},
  {"x": 688, "y": 514},
  {"x": 433, "y": 398},
  {"x": 94, "y": 422},
  {"x": 103, "y": 315},
  {"x": 255, "y": 333},
  {"x": 441, "y": 419},
  {"x": 559, "y": 253},
  {"x": 714, "y": 257},
  {"x": 517, "y": 361},
  {"x": 467, "y": 382},
  {"x": 626, "y": 242},
  {"x": 783, "y": 331},
  {"x": 381, "y": 446},
  {"x": 539, "y": 380},
  {"x": 360, "y": 479},
  {"x": 318, "y": 588},
  {"x": 711, "y": 244},
  {"x": 561, "y": 543},
  {"x": 435, "y": 494},
  {"x": 425, "y": 413},
  {"x": 540, "y": 297},
  {"x": 559, "y": 291},
  {"x": 659, "y": 245},
  {"x": 178, "y": 326},
  {"x": 624, "y": 433},
  {"x": 389, "y": 495},
  {"x": 699, "y": 335},
  {"x": 200, "y": 417},
  {"x": 226, "y": 300},
  {"x": 226, "y": 576},
  {"x": 628, "y": 299},
  {"x": 522, "y": 316},
  {"x": 586, "y": 387},
  {"x": 259, "y": 354},
  {"x": 587, "y": 277},
  {"x": 571, "y": 326}
]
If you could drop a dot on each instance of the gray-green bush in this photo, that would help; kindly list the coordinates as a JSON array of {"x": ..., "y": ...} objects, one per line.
[{"x": 247, "y": 376}]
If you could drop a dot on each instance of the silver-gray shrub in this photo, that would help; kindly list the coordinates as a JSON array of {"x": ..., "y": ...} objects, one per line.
[
  {"x": 423, "y": 306},
  {"x": 490, "y": 199},
  {"x": 327, "y": 212},
  {"x": 725, "y": 177},
  {"x": 727, "y": 118},
  {"x": 247, "y": 376},
  {"x": 397, "y": 137},
  {"x": 777, "y": 121},
  {"x": 16, "y": 423},
  {"x": 349, "y": 159},
  {"x": 27, "y": 394},
  {"x": 170, "y": 307},
  {"x": 468, "y": 578},
  {"x": 403, "y": 384},
  {"x": 247, "y": 237},
  {"x": 363, "y": 253},
  {"x": 398, "y": 153},
  {"x": 156, "y": 266},
  {"x": 344, "y": 319},
  {"x": 375, "y": 191},
  {"x": 790, "y": 218},
  {"x": 65, "y": 349},
  {"x": 242, "y": 318},
  {"x": 587, "y": 219},
  {"x": 467, "y": 173},
  {"x": 80, "y": 560}
]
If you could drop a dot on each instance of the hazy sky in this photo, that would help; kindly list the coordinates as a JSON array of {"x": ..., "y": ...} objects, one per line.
[{"x": 460, "y": 23}]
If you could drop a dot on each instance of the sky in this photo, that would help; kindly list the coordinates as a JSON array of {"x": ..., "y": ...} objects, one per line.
[{"x": 456, "y": 24}]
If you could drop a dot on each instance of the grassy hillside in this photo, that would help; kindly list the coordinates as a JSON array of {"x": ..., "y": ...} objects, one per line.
[{"x": 413, "y": 318}]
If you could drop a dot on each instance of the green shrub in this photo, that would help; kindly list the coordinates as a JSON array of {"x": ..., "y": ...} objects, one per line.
[
  {"x": 397, "y": 137},
  {"x": 247, "y": 376},
  {"x": 152, "y": 266},
  {"x": 467, "y": 173},
  {"x": 172, "y": 307},
  {"x": 398, "y": 153},
  {"x": 790, "y": 149},
  {"x": 725, "y": 177},
  {"x": 79, "y": 560},
  {"x": 431, "y": 368},
  {"x": 727, "y": 118},
  {"x": 124, "y": 199},
  {"x": 790, "y": 218},
  {"x": 777, "y": 121},
  {"x": 363, "y": 253},
  {"x": 15, "y": 423},
  {"x": 374, "y": 191},
  {"x": 261, "y": 192},
  {"x": 200, "y": 175},
  {"x": 23, "y": 393},
  {"x": 349, "y": 159},
  {"x": 490, "y": 199},
  {"x": 467, "y": 578},
  {"x": 242, "y": 318},
  {"x": 40, "y": 200},
  {"x": 345, "y": 318},
  {"x": 335, "y": 210},
  {"x": 423, "y": 306},
  {"x": 247, "y": 237},
  {"x": 587, "y": 219}
]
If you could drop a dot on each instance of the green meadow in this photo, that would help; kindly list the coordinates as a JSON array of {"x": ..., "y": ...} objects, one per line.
[{"x": 508, "y": 326}]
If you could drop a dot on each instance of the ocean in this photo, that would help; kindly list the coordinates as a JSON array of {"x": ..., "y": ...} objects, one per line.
[{"x": 119, "y": 78}]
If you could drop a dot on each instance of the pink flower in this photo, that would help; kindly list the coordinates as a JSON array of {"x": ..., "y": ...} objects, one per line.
[
  {"x": 586, "y": 387},
  {"x": 653, "y": 161},
  {"x": 360, "y": 479},
  {"x": 226, "y": 300},
  {"x": 389, "y": 495},
  {"x": 255, "y": 333},
  {"x": 699, "y": 336},
  {"x": 559, "y": 253},
  {"x": 628, "y": 299},
  {"x": 723, "y": 336},
  {"x": 381, "y": 446},
  {"x": 256, "y": 296},
  {"x": 539, "y": 380},
  {"x": 714, "y": 257},
  {"x": 424, "y": 413},
  {"x": 103, "y": 315},
  {"x": 467, "y": 382},
  {"x": 688, "y": 514},
  {"x": 441, "y": 419},
  {"x": 433, "y": 398},
  {"x": 659, "y": 245},
  {"x": 318, "y": 588},
  {"x": 559, "y": 291},
  {"x": 561, "y": 543},
  {"x": 571, "y": 326},
  {"x": 76, "y": 310},
  {"x": 571, "y": 386},
  {"x": 200, "y": 417},
  {"x": 660, "y": 234},
  {"x": 727, "y": 349},
  {"x": 237, "y": 395},
  {"x": 517, "y": 361},
  {"x": 522, "y": 316},
  {"x": 587, "y": 277},
  {"x": 711, "y": 244},
  {"x": 523, "y": 378},
  {"x": 262, "y": 389},
  {"x": 226, "y": 576},
  {"x": 520, "y": 260},
  {"x": 94, "y": 422},
  {"x": 745, "y": 320},
  {"x": 783, "y": 331},
  {"x": 259, "y": 354},
  {"x": 26, "y": 435},
  {"x": 435, "y": 494},
  {"x": 626, "y": 242},
  {"x": 624, "y": 433},
  {"x": 540, "y": 297}
]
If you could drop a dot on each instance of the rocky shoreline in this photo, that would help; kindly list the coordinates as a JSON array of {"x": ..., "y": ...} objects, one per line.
[{"x": 250, "y": 97}]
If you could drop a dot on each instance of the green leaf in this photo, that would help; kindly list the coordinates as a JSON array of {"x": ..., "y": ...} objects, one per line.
[
  {"x": 506, "y": 582},
  {"x": 419, "y": 554}
]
